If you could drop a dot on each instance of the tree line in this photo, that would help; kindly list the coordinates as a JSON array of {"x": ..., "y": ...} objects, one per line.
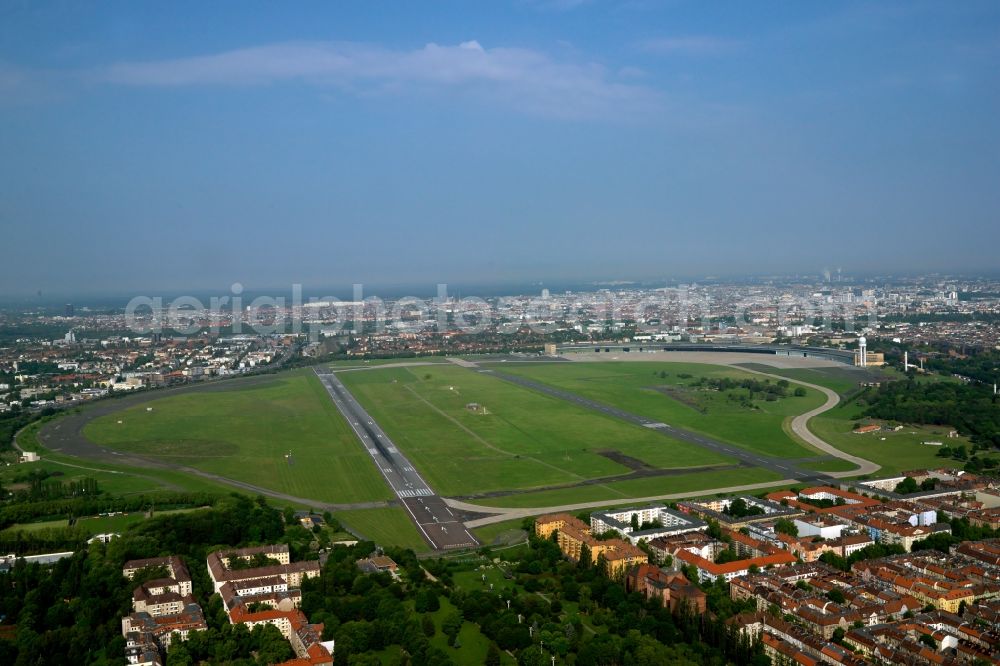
[{"x": 970, "y": 409}]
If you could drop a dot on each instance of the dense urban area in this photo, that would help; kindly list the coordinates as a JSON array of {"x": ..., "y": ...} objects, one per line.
[
  {"x": 899, "y": 566},
  {"x": 57, "y": 354}
]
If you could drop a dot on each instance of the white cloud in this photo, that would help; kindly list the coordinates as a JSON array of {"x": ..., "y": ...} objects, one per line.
[
  {"x": 10, "y": 77},
  {"x": 524, "y": 79},
  {"x": 23, "y": 85},
  {"x": 558, "y": 5},
  {"x": 698, "y": 45}
]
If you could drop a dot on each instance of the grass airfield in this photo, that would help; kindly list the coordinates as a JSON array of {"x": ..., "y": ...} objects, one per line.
[
  {"x": 664, "y": 391},
  {"x": 247, "y": 434},
  {"x": 522, "y": 440},
  {"x": 520, "y": 448}
]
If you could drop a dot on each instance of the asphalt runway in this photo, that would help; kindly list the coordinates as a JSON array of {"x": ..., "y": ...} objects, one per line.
[
  {"x": 439, "y": 526},
  {"x": 779, "y": 465}
]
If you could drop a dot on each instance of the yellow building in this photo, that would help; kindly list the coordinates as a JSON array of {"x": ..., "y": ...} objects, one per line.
[
  {"x": 573, "y": 534},
  {"x": 546, "y": 525}
]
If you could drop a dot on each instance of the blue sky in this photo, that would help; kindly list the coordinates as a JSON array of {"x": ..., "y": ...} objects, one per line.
[{"x": 191, "y": 145}]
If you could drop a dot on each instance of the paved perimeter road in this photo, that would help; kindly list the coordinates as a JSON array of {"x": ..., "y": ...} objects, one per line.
[
  {"x": 65, "y": 436},
  {"x": 440, "y": 527},
  {"x": 505, "y": 514},
  {"x": 800, "y": 426}
]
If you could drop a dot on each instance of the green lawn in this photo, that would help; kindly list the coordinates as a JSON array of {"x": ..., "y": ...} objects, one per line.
[
  {"x": 390, "y": 526},
  {"x": 473, "y": 580},
  {"x": 622, "y": 491},
  {"x": 472, "y": 644},
  {"x": 35, "y": 527},
  {"x": 246, "y": 433},
  {"x": 900, "y": 451},
  {"x": 504, "y": 532},
  {"x": 345, "y": 364},
  {"x": 638, "y": 388},
  {"x": 843, "y": 380},
  {"x": 94, "y": 524},
  {"x": 832, "y": 465},
  {"x": 523, "y": 440},
  {"x": 111, "y": 479}
]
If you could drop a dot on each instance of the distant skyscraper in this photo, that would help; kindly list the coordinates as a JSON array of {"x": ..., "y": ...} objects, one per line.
[{"x": 69, "y": 310}]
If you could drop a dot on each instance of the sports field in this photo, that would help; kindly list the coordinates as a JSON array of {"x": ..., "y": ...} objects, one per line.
[
  {"x": 284, "y": 435},
  {"x": 467, "y": 432},
  {"x": 666, "y": 392}
]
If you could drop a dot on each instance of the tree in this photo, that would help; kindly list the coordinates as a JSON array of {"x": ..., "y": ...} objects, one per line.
[
  {"x": 941, "y": 541},
  {"x": 426, "y": 601},
  {"x": 178, "y": 655},
  {"x": 836, "y": 596},
  {"x": 492, "y": 655},
  {"x": 451, "y": 625},
  {"x": 785, "y": 526},
  {"x": 272, "y": 648},
  {"x": 725, "y": 556}
]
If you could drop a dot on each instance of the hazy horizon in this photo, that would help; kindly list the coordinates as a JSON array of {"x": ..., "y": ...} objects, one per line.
[{"x": 190, "y": 146}]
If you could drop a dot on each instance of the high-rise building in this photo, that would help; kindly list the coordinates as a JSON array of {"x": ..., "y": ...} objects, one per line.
[{"x": 69, "y": 310}]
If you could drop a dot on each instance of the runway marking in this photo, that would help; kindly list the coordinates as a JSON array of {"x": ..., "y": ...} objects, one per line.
[
  {"x": 421, "y": 527},
  {"x": 656, "y": 425},
  {"x": 393, "y": 465},
  {"x": 419, "y": 492}
]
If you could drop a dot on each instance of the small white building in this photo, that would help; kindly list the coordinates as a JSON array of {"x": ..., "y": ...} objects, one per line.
[
  {"x": 819, "y": 526},
  {"x": 620, "y": 520}
]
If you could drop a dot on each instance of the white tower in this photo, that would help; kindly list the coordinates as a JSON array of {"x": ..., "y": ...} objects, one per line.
[
  {"x": 906, "y": 361},
  {"x": 862, "y": 352}
]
